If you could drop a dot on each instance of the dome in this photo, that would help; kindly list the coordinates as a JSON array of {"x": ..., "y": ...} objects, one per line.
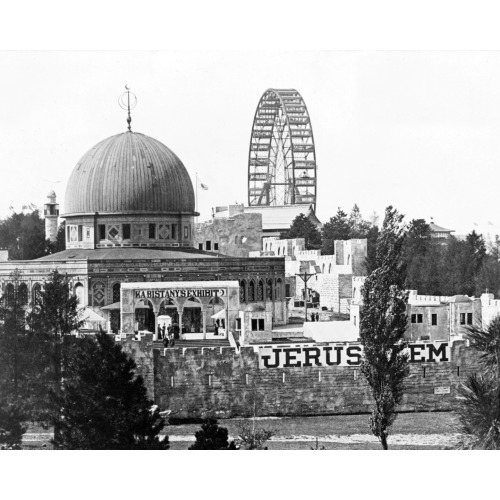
[{"x": 129, "y": 173}]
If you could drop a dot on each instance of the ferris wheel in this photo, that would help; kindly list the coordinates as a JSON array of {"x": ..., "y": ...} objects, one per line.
[{"x": 282, "y": 157}]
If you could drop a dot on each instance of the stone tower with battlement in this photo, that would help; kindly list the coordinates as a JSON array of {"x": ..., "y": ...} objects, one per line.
[{"x": 51, "y": 212}]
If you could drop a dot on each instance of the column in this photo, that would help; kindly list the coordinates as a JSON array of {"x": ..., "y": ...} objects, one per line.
[
  {"x": 155, "y": 333},
  {"x": 204, "y": 316},
  {"x": 180, "y": 321}
]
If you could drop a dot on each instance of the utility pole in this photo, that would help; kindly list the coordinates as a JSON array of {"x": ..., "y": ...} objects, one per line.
[{"x": 305, "y": 277}]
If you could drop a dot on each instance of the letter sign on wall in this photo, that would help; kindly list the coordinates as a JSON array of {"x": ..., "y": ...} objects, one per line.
[{"x": 279, "y": 356}]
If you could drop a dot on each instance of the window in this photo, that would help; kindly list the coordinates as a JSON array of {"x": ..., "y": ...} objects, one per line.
[
  {"x": 258, "y": 324},
  {"x": 200, "y": 246},
  {"x": 87, "y": 233},
  {"x": 243, "y": 291},
  {"x": 288, "y": 292},
  {"x": 434, "y": 319},
  {"x": 208, "y": 245},
  {"x": 116, "y": 292},
  {"x": 152, "y": 231},
  {"x": 354, "y": 320},
  {"x": 186, "y": 232},
  {"x": 251, "y": 291},
  {"x": 238, "y": 323},
  {"x": 174, "y": 231},
  {"x": 126, "y": 231},
  {"x": 469, "y": 318},
  {"x": 67, "y": 233},
  {"x": 216, "y": 247},
  {"x": 420, "y": 318},
  {"x": 462, "y": 318},
  {"x": 80, "y": 233},
  {"x": 102, "y": 231},
  {"x": 413, "y": 318}
]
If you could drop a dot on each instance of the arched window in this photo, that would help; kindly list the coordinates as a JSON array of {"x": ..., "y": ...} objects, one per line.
[
  {"x": 279, "y": 292},
  {"x": 330, "y": 268},
  {"x": 243, "y": 291},
  {"x": 98, "y": 294},
  {"x": 260, "y": 291},
  {"x": 78, "y": 291},
  {"x": 23, "y": 294},
  {"x": 353, "y": 293},
  {"x": 251, "y": 291},
  {"x": 266, "y": 247},
  {"x": 9, "y": 294},
  {"x": 348, "y": 259},
  {"x": 36, "y": 290},
  {"x": 279, "y": 250},
  {"x": 116, "y": 292},
  {"x": 323, "y": 270},
  {"x": 269, "y": 290}
]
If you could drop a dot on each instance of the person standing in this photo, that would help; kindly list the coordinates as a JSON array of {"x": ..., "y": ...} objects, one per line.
[{"x": 317, "y": 316}]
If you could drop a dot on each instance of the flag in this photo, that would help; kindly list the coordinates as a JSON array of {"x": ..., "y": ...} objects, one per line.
[{"x": 203, "y": 186}]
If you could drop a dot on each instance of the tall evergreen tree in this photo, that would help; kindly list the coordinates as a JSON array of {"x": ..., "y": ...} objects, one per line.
[
  {"x": 302, "y": 227},
  {"x": 337, "y": 228},
  {"x": 54, "y": 317},
  {"x": 382, "y": 326},
  {"x": 358, "y": 227},
  {"x": 104, "y": 406}
]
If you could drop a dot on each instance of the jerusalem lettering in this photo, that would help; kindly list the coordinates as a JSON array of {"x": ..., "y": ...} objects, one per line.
[
  {"x": 343, "y": 355},
  {"x": 162, "y": 294}
]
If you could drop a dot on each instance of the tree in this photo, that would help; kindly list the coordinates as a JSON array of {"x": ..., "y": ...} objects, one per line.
[
  {"x": 54, "y": 317},
  {"x": 212, "y": 437},
  {"x": 23, "y": 234},
  {"x": 60, "y": 244},
  {"x": 337, "y": 228},
  {"x": 358, "y": 227},
  {"x": 22, "y": 367},
  {"x": 302, "y": 227},
  {"x": 382, "y": 326},
  {"x": 251, "y": 437},
  {"x": 479, "y": 411},
  {"x": 104, "y": 406}
]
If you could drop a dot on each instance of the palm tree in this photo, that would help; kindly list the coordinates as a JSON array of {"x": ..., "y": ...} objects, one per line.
[{"x": 479, "y": 411}]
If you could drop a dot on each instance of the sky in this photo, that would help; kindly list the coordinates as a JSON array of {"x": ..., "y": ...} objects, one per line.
[{"x": 418, "y": 130}]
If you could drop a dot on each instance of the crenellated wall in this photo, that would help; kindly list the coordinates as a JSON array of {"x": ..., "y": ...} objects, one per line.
[{"x": 193, "y": 382}]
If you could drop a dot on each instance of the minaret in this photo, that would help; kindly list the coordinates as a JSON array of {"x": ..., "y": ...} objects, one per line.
[{"x": 51, "y": 212}]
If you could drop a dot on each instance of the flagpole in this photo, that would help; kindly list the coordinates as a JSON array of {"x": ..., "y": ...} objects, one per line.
[{"x": 196, "y": 197}]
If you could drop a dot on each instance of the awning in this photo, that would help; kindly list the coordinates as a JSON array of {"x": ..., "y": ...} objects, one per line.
[
  {"x": 89, "y": 315},
  {"x": 111, "y": 307},
  {"x": 220, "y": 314}
]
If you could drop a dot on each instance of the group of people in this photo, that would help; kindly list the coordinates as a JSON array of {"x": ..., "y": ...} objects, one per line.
[
  {"x": 167, "y": 334},
  {"x": 314, "y": 316}
]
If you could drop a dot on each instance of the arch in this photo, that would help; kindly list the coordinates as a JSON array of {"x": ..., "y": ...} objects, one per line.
[
  {"x": 36, "y": 290},
  {"x": 22, "y": 294},
  {"x": 9, "y": 294},
  {"x": 243, "y": 291},
  {"x": 330, "y": 268},
  {"x": 269, "y": 290},
  {"x": 260, "y": 291},
  {"x": 279, "y": 250},
  {"x": 278, "y": 294},
  {"x": 78, "y": 292},
  {"x": 251, "y": 291},
  {"x": 144, "y": 315},
  {"x": 98, "y": 293},
  {"x": 265, "y": 248},
  {"x": 116, "y": 292},
  {"x": 323, "y": 269}
]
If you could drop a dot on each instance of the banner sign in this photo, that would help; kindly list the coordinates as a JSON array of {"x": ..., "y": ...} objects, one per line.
[
  {"x": 343, "y": 355},
  {"x": 175, "y": 293}
]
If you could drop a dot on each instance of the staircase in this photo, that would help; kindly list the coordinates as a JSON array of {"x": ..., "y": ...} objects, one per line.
[{"x": 179, "y": 344}]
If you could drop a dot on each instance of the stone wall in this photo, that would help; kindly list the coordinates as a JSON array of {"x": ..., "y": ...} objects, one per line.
[{"x": 193, "y": 382}]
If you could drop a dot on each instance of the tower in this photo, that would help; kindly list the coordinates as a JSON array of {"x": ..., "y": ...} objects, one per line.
[{"x": 51, "y": 212}]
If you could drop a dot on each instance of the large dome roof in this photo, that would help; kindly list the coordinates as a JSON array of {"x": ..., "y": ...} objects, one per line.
[{"x": 129, "y": 173}]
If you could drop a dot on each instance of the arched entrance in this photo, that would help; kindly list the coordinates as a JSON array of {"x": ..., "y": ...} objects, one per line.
[
  {"x": 144, "y": 316},
  {"x": 192, "y": 320},
  {"x": 216, "y": 316}
]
